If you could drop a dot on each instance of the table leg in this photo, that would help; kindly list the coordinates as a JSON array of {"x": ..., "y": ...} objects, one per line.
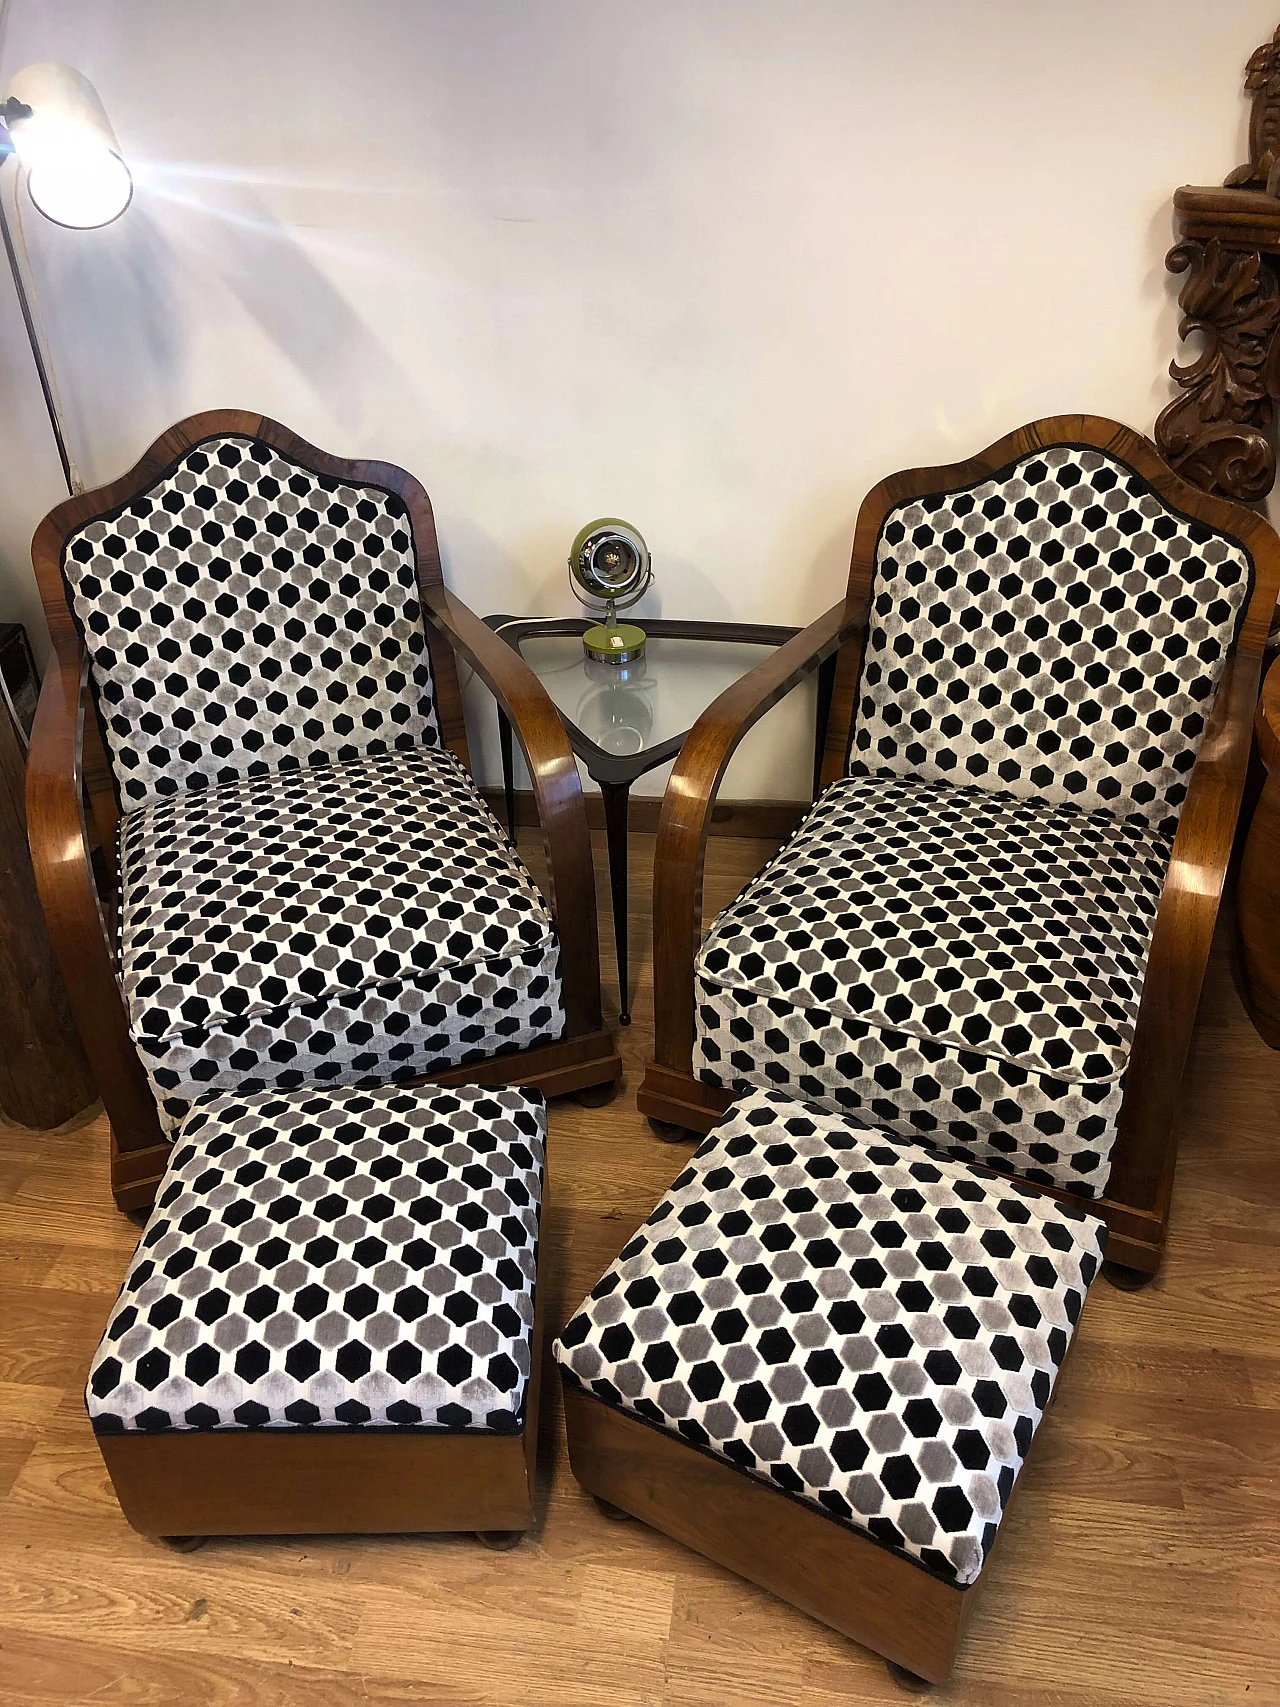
[
  {"x": 826, "y": 683},
  {"x": 508, "y": 772},
  {"x": 617, "y": 800}
]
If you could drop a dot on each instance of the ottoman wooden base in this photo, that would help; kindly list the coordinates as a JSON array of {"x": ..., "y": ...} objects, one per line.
[
  {"x": 332, "y": 1323},
  {"x": 340, "y": 1482},
  {"x": 833, "y": 1573}
]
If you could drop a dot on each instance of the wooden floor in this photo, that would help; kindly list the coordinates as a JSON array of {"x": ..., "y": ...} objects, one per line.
[{"x": 1140, "y": 1563}]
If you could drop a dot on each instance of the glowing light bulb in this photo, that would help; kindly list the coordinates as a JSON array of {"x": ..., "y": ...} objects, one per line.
[{"x": 76, "y": 175}]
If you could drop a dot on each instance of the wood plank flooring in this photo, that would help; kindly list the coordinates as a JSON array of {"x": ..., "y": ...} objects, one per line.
[{"x": 1140, "y": 1564}]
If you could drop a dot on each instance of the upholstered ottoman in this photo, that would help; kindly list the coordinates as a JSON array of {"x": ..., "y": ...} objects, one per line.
[
  {"x": 331, "y": 1323},
  {"x": 822, "y": 1361}
]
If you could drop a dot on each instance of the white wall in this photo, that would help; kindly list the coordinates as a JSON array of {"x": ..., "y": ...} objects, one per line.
[{"x": 714, "y": 266}]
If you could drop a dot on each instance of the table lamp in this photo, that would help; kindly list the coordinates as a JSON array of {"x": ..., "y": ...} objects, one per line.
[{"x": 609, "y": 562}]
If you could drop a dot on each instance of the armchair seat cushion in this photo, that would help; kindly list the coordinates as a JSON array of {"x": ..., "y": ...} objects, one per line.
[
  {"x": 961, "y": 966},
  {"x": 332, "y": 1259},
  {"x": 349, "y": 923},
  {"x": 868, "y": 1329}
]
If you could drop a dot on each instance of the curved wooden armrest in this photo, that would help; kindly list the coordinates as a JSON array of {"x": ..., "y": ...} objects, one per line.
[
  {"x": 60, "y": 859},
  {"x": 56, "y": 828},
  {"x": 1266, "y": 722},
  {"x": 557, "y": 791},
  {"x": 1180, "y": 941},
  {"x": 686, "y": 817}
]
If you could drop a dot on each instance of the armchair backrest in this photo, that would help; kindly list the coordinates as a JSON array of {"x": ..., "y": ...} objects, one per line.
[
  {"x": 1055, "y": 627},
  {"x": 249, "y": 606}
]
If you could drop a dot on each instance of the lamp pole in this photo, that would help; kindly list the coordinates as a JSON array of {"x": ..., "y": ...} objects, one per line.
[{"x": 19, "y": 284}]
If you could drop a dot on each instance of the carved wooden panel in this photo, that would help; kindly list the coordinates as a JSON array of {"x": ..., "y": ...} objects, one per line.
[{"x": 1216, "y": 432}]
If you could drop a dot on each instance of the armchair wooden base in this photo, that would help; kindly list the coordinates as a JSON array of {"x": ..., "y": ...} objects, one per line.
[
  {"x": 836, "y": 1575},
  {"x": 1137, "y": 1237},
  {"x": 556, "y": 1069}
]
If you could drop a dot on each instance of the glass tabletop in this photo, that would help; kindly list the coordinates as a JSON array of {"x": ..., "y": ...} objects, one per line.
[{"x": 627, "y": 710}]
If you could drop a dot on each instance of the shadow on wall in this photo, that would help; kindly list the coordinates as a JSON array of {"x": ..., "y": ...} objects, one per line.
[
  {"x": 117, "y": 346},
  {"x": 128, "y": 310},
  {"x": 227, "y": 224}
]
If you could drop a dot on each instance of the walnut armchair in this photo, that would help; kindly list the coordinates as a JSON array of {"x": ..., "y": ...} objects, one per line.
[
  {"x": 991, "y": 931},
  {"x": 255, "y": 836}
]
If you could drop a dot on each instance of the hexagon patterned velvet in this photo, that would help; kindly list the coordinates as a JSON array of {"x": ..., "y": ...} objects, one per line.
[
  {"x": 1055, "y": 630},
  {"x": 962, "y": 967},
  {"x": 352, "y": 923},
  {"x": 247, "y": 614},
  {"x": 334, "y": 1259},
  {"x": 865, "y": 1328}
]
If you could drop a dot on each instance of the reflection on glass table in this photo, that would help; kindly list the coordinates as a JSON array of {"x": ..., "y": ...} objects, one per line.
[{"x": 624, "y": 720}]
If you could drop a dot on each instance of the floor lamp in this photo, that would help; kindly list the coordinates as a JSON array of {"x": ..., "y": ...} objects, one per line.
[
  {"x": 71, "y": 167},
  {"x": 75, "y": 175}
]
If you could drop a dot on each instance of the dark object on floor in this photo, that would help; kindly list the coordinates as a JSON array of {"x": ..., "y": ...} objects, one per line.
[{"x": 44, "y": 1077}]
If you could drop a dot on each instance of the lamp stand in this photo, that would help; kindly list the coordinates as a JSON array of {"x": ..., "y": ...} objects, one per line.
[{"x": 50, "y": 402}]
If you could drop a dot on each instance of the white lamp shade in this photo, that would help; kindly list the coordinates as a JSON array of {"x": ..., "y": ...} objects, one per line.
[{"x": 76, "y": 174}]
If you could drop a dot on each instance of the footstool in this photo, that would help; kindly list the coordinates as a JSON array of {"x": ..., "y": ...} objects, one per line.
[
  {"x": 330, "y": 1324},
  {"x": 821, "y": 1362}
]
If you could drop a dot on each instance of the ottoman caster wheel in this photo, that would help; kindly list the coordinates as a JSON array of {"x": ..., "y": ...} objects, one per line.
[
  {"x": 669, "y": 1132},
  {"x": 1126, "y": 1279},
  {"x": 614, "y": 1513},
  {"x": 596, "y": 1096},
  {"x": 183, "y": 1543},
  {"x": 499, "y": 1540},
  {"x": 907, "y": 1680}
]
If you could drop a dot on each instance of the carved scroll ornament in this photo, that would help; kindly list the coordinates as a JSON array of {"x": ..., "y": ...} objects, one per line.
[{"x": 1215, "y": 433}]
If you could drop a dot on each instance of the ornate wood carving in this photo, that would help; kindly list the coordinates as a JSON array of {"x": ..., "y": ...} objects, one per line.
[
  {"x": 1216, "y": 433},
  {"x": 1262, "y": 81}
]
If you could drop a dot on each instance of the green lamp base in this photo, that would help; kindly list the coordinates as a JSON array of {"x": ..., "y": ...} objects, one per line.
[{"x": 614, "y": 643}]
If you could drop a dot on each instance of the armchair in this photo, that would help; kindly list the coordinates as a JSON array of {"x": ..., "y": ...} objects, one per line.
[
  {"x": 990, "y": 932},
  {"x": 254, "y": 711}
]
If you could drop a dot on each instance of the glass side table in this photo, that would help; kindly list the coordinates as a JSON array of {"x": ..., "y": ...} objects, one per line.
[{"x": 624, "y": 720}]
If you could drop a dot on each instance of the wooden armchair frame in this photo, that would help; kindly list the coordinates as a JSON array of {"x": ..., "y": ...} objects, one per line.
[
  {"x": 1136, "y": 1205},
  {"x": 67, "y": 767},
  {"x": 1258, "y": 889}
]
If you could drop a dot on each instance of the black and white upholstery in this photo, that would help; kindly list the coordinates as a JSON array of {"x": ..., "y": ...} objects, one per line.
[
  {"x": 954, "y": 943},
  {"x": 350, "y": 923},
  {"x": 961, "y": 967},
  {"x": 868, "y": 1329},
  {"x": 312, "y": 890},
  {"x": 249, "y": 615},
  {"x": 1057, "y": 630},
  {"x": 334, "y": 1259}
]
